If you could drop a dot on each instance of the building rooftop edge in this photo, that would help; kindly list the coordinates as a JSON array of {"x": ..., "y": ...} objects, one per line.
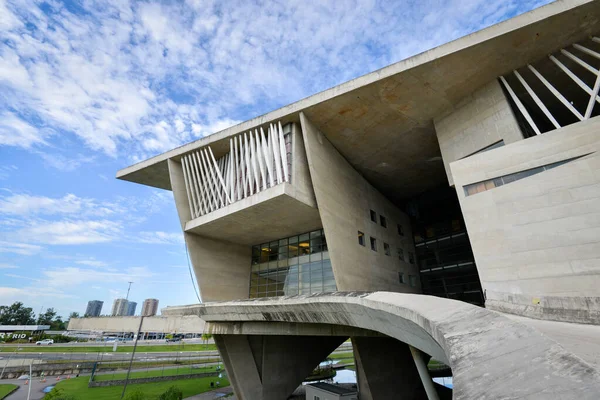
[{"x": 291, "y": 111}]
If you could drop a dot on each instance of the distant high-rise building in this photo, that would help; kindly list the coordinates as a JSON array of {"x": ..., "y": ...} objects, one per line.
[
  {"x": 94, "y": 308},
  {"x": 150, "y": 307},
  {"x": 120, "y": 308},
  {"x": 131, "y": 305}
]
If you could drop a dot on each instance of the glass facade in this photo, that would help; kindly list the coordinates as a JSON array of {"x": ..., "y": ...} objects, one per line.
[{"x": 295, "y": 265}]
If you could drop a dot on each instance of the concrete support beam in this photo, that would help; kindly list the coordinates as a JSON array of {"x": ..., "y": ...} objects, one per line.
[
  {"x": 421, "y": 361},
  {"x": 285, "y": 328},
  {"x": 271, "y": 367},
  {"x": 385, "y": 370}
]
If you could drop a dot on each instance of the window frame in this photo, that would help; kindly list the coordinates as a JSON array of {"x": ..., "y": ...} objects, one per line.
[
  {"x": 382, "y": 221},
  {"x": 361, "y": 239},
  {"x": 373, "y": 242},
  {"x": 387, "y": 249},
  {"x": 373, "y": 215}
]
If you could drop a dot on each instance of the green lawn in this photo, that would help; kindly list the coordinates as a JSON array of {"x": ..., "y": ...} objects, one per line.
[
  {"x": 77, "y": 388},
  {"x": 5, "y": 389},
  {"x": 155, "y": 372},
  {"x": 108, "y": 348}
]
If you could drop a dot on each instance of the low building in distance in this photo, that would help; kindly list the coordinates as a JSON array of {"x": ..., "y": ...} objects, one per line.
[
  {"x": 131, "y": 305},
  {"x": 94, "y": 308},
  {"x": 150, "y": 307}
]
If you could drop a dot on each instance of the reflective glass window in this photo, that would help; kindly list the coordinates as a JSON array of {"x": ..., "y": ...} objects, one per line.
[{"x": 290, "y": 266}]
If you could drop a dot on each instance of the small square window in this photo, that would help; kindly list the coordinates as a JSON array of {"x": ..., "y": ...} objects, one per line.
[
  {"x": 361, "y": 238},
  {"x": 386, "y": 249},
  {"x": 411, "y": 257},
  {"x": 373, "y": 244},
  {"x": 412, "y": 280},
  {"x": 401, "y": 277},
  {"x": 383, "y": 221},
  {"x": 401, "y": 253},
  {"x": 400, "y": 230},
  {"x": 373, "y": 216}
]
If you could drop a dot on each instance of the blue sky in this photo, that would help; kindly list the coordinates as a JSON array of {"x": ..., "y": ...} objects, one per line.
[{"x": 90, "y": 87}]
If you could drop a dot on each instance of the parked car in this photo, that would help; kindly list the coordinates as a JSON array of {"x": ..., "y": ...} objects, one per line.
[
  {"x": 174, "y": 339},
  {"x": 46, "y": 342}
]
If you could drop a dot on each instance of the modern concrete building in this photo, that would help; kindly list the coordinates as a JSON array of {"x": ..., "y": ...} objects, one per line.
[
  {"x": 131, "y": 306},
  {"x": 94, "y": 308},
  {"x": 150, "y": 307},
  {"x": 469, "y": 172},
  {"x": 120, "y": 308}
]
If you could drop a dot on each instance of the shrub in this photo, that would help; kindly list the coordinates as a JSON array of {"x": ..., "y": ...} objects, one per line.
[
  {"x": 58, "y": 394},
  {"x": 173, "y": 393},
  {"x": 137, "y": 395}
]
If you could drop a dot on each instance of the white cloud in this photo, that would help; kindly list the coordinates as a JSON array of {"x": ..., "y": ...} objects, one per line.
[
  {"x": 8, "y": 266},
  {"x": 26, "y": 205},
  {"x": 138, "y": 78},
  {"x": 92, "y": 263},
  {"x": 70, "y": 232},
  {"x": 19, "y": 248},
  {"x": 74, "y": 276},
  {"x": 16, "y": 132},
  {"x": 27, "y": 294},
  {"x": 159, "y": 237}
]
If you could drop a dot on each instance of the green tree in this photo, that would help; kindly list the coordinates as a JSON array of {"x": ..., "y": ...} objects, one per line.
[
  {"x": 58, "y": 324},
  {"x": 16, "y": 314},
  {"x": 74, "y": 314},
  {"x": 47, "y": 317},
  {"x": 172, "y": 393}
]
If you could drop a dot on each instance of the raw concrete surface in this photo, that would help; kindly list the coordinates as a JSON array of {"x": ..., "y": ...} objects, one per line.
[
  {"x": 536, "y": 241},
  {"x": 491, "y": 356},
  {"x": 580, "y": 339}
]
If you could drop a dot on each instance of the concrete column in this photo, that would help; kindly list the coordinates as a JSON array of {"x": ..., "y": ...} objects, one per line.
[
  {"x": 271, "y": 367},
  {"x": 385, "y": 370},
  {"x": 421, "y": 364},
  {"x": 288, "y": 360},
  {"x": 241, "y": 368}
]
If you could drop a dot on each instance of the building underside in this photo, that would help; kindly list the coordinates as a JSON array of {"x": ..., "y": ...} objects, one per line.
[{"x": 469, "y": 172}]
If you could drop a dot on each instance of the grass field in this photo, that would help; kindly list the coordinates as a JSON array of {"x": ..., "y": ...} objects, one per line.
[
  {"x": 154, "y": 372},
  {"x": 108, "y": 348},
  {"x": 5, "y": 389},
  {"x": 77, "y": 388}
]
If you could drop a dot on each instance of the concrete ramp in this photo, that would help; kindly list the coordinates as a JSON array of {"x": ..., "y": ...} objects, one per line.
[{"x": 491, "y": 356}]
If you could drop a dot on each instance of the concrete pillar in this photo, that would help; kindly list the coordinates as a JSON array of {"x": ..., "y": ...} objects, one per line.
[
  {"x": 271, "y": 367},
  {"x": 385, "y": 370},
  {"x": 421, "y": 363}
]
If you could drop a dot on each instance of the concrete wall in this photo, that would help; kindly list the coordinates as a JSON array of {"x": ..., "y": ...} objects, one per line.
[
  {"x": 345, "y": 199},
  {"x": 219, "y": 243},
  {"x": 170, "y": 324},
  {"x": 536, "y": 241},
  {"x": 481, "y": 119}
]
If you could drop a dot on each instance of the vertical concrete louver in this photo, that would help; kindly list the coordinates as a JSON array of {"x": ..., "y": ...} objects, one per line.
[{"x": 255, "y": 162}]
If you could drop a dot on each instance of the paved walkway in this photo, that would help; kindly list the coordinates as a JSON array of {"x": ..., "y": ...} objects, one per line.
[
  {"x": 581, "y": 340},
  {"x": 21, "y": 392}
]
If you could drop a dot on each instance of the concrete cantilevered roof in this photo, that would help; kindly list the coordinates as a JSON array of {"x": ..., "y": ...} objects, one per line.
[{"x": 382, "y": 122}]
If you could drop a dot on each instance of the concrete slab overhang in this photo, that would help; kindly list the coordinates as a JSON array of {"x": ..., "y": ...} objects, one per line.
[
  {"x": 491, "y": 356},
  {"x": 259, "y": 218},
  {"x": 382, "y": 122}
]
